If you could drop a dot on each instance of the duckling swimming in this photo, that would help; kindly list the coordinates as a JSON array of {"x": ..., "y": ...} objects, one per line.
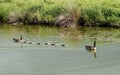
[
  {"x": 21, "y": 40},
  {"x": 54, "y": 44},
  {"x": 16, "y": 40},
  {"x": 64, "y": 45},
  {"x": 91, "y": 48}
]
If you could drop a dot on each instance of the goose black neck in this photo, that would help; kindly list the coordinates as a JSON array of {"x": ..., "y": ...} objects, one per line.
[
  {"x": 20, "y": 37},
  {"x": 94, "y": 43}
]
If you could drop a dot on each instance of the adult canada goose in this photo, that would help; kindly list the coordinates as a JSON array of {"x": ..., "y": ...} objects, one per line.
[
  {"x": 91, "y": 48},
  {"x": 47, "y": 43},
  {"x": 38, "y": 43},
  {"x": 17, "y": 40},
  {"x": 21, "y": 40},
  {"x": 54, "y": 44},
  {"x": 31, "y": 42}
]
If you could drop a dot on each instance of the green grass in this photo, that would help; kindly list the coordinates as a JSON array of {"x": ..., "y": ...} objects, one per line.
[{"x": 82, "y": 12}]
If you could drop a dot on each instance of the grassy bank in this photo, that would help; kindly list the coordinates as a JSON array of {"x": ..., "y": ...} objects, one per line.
[{"x": 61, "y": 12}]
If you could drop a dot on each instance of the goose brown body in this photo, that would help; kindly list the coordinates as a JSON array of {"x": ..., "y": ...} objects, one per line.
[
  {"x": 16, "y": 40},
  {"x": 91, "y": 48}
]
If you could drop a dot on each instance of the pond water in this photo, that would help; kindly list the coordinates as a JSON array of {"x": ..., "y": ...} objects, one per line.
[{"x": 25, "y": 59}]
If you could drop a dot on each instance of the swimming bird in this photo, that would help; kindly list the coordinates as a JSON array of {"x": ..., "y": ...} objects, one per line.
[
  {"x": 31, "y": 42},
  {"x": 47, "y": 43},
  {"x": 90, "y": 48},
  {"x": 38, "y": 43},
  {"x": 16, "y": 40},
  {"x": 19, "y": 40},
  {"x": 54, "y": 44},
  {"x": 63, "y": 45}
]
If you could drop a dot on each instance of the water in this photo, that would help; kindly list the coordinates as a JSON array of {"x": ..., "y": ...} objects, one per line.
[{"x": 17, "y": 59}]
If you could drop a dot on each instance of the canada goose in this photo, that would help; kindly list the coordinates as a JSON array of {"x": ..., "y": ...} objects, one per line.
[
  {"x": 19, "y": 40},
  {"x": 91, "y": 48}
]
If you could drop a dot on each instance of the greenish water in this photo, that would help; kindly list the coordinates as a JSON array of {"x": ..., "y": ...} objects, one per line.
[{"x": 17, "y": 59}]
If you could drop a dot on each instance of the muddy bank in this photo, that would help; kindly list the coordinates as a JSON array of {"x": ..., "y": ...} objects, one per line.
[{"x": 60, "y": 21}]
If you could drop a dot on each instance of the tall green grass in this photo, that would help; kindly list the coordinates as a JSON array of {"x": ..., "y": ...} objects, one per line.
[{"x": 82, "y": 12}]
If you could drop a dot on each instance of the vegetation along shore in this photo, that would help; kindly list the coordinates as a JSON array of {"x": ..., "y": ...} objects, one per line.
[{"x": 65, "y": 13}]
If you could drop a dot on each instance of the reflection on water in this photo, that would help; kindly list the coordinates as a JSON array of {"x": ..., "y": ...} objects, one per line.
[
  {"x": 94, "y": 53},
  {"x": 48, "y": 60}
]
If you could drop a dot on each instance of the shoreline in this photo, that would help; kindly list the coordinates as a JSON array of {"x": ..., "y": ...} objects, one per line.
[{"x": 61, "y": 13}]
